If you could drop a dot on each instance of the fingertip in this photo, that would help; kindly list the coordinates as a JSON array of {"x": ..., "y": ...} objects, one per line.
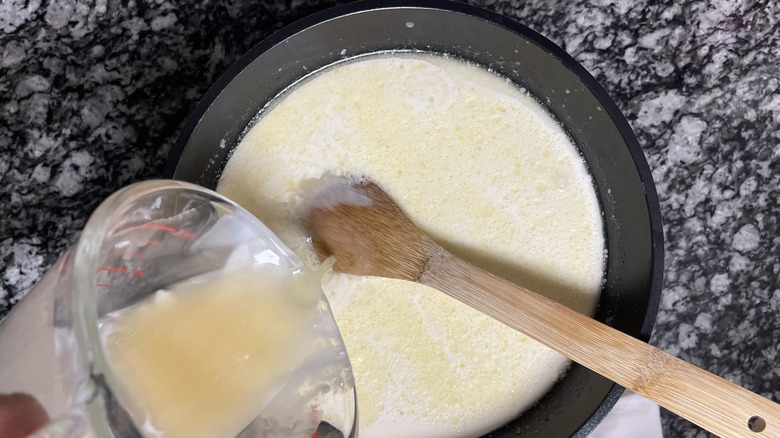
[{"x": 20, "y": 415}]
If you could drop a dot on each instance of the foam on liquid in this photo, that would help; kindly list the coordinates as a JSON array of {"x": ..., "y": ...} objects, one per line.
[{"x": 485, "y": 172}]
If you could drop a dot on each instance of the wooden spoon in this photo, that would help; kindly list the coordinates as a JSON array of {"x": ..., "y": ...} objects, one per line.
[{"x": 359, "y": 224}]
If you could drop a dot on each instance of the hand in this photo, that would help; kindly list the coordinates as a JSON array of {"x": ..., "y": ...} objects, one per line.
[{"x": 20, "y": 415}]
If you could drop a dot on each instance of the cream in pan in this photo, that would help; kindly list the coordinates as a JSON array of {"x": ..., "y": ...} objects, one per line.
[{"x": 482, "y": 169}]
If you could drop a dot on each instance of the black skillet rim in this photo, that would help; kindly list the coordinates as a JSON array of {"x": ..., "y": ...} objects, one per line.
[{"x": 640, "y": 162}]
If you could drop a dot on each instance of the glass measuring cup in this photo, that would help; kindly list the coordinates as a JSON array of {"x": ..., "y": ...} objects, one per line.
[{"x": 144, "y": 238}]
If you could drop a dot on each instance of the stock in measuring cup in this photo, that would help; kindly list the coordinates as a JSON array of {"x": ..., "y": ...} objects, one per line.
[{"x": 146, "y": 246}]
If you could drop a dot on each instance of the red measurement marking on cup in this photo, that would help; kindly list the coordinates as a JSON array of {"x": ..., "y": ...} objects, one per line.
[
  {"x": 181, "y": 233},
  {"x": 135, "y": 272},
  {"x": 113, "y": 269}
]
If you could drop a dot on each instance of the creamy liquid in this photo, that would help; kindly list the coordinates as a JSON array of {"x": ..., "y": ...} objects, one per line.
[
  {"x": 484, "y": 171},
  {"x": 205, "y": 358}
]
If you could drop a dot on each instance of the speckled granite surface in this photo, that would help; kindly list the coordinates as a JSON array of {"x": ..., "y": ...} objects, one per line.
[{"x": 94, "y": 92}]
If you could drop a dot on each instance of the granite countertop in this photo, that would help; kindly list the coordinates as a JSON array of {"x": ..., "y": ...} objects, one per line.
[{"x": 94, "y": 92}]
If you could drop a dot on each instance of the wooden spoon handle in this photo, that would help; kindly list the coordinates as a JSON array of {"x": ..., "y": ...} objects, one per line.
[{"x": 711, "y": 402}]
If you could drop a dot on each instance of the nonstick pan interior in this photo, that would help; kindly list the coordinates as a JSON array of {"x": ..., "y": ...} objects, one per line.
[{"x": 629, "y": 298}]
